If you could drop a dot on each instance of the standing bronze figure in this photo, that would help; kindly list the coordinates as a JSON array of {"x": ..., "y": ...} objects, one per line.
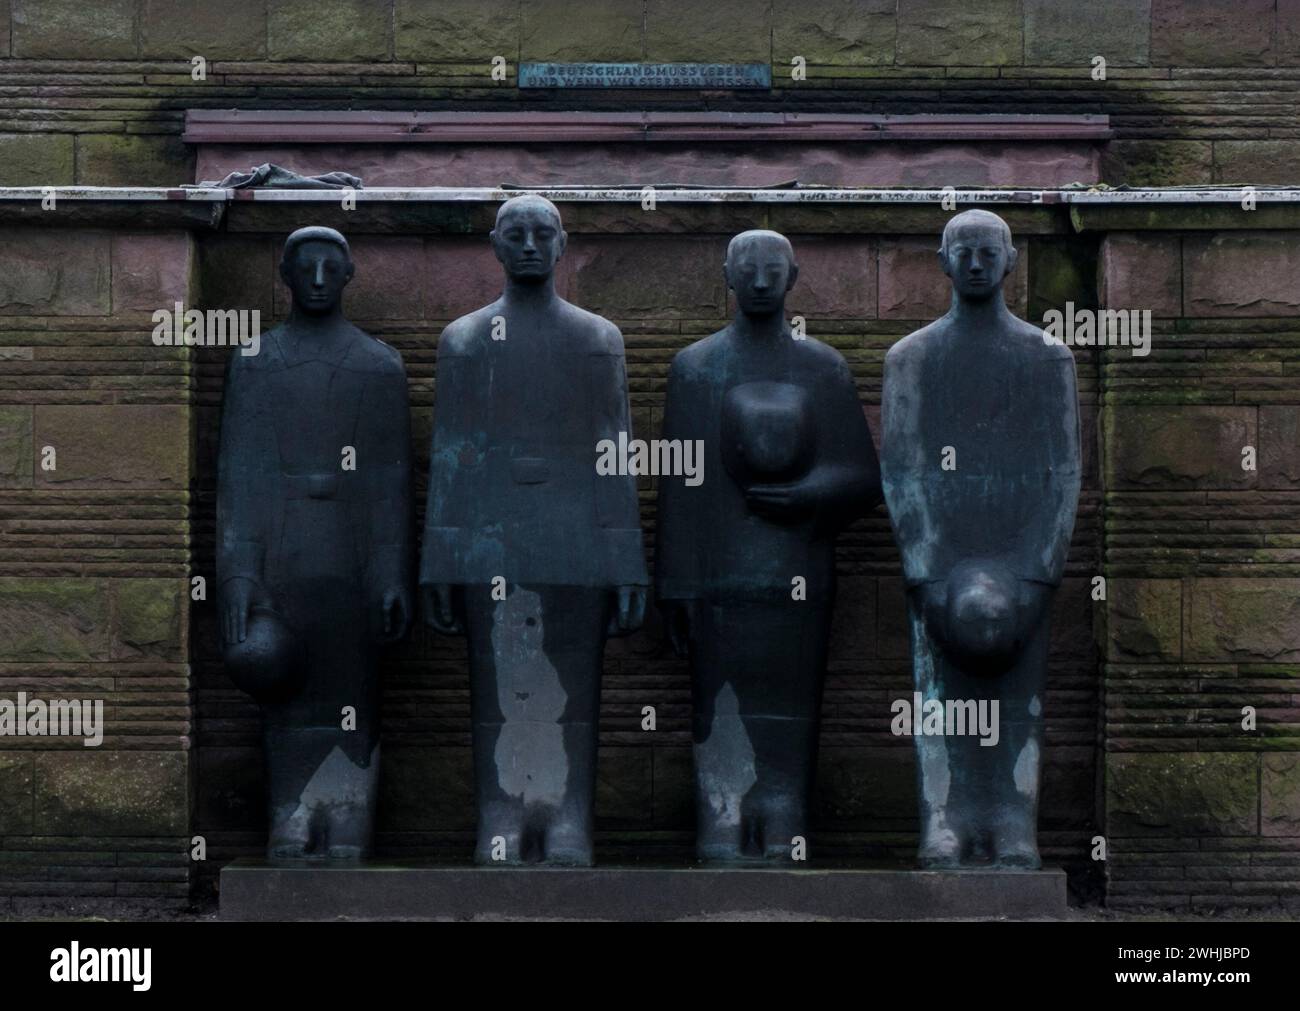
[
  {"x": 528, "y": 551},
  {"x": 314, "y": 548},
  {"x": 745, "y": 558},
  {"x": 981, "y": 468}
]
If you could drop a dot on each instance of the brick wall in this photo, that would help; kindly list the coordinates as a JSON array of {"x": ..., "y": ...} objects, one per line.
[{"x": 1197, "y": 90}]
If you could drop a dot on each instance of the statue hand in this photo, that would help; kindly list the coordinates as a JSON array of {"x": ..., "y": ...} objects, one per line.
[
  {"x": 787, "y": 502},
  {"x": 677, "y": 621},
  {"x": 395, "y": 614},
  {"x": 1035, "y": 598},
  {"x": 630, "y": 611},
  {"x": 934, "y": 608},
  {"x": 237, "y": 598},
  {"x": 439, "y": 612}
]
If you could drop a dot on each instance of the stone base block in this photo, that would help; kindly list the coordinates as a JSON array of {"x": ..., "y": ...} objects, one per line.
[{"x": 253, "y": 890}]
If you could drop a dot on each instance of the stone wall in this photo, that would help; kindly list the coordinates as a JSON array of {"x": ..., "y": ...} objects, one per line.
[
  {"x": 94, "y": 560},
  {"x": 1145, "y": 746},
  {"x": 1196, "y": 90},
  {"x": 1204, "y": 603},
  {"x": 1145, "y": 743}
]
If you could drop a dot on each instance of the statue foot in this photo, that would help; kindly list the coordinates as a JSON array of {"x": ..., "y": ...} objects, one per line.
[
  {"x": 940, "y": 850},
  {"x": 782, "y": 821},
  {"x": 288, "y": 851},
  {"x": 568, "y": 846},
  {"x": 500, "y": 840},
  {"x": 1015, "y": 843},
  {"x": 938, "y": 861},
  {"x": 720, "y": 853},
  {"x": 1022, "y": 856},
  {"x": 348, "y": 832},
  {"x": 499, "y": 849},
  {"x": 719, "y": 835},
  {"x": 781, "y": 846},
  {"x": 569, "y": 856},
  {"x": 290, "y": 840}
]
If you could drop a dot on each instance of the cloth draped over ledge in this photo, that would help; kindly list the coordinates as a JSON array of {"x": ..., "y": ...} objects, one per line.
[{"x": 275, "y": 177}]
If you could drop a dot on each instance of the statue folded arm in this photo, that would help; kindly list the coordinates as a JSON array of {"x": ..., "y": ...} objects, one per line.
[
  {"x": 844, "y": 483},
  {"x": 850, "y": 474}
]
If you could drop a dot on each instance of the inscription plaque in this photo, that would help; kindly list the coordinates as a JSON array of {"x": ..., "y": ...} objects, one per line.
[{"x": 645, "y": 75}]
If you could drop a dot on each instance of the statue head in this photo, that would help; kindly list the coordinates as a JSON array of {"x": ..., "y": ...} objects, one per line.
[
  {"x": 977, "y": 254},
  {"x": 760, "y": 269},
  {"x": 528, "y": 238},
  {"x": 316, "y": 265}
]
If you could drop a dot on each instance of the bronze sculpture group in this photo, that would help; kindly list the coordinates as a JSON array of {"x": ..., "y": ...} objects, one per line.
[{"x": 535, "y": 555}]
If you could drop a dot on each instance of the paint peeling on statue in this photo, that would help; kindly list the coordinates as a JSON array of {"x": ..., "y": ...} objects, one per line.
[
  {"x": 981, "y": 464},
  {"x": 745, "y": 562},
  {"x": 314, "y": 546},
  {"x": 529, "y": 550}
]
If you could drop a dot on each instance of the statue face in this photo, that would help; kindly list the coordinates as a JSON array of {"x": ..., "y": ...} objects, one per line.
[
  {"x": 317, "y": 274},
  {"x": 528, "y": 241},
  {"x": 978, "y": 260},
  {"x": 760, "y": 272}
]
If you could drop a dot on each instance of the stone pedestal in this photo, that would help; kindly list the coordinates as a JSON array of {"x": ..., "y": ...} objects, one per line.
[{"x": 253, "y": 890}]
